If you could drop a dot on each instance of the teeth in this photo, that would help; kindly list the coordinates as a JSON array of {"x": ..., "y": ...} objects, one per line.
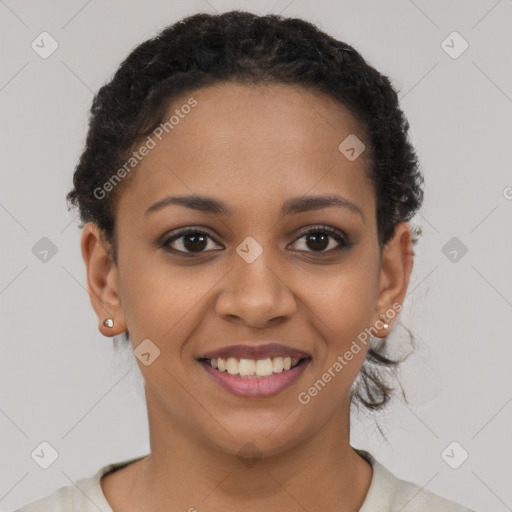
[
  {"x": 254, "y": 367},
  {"x": 263, "y": 367},
  {"x": 245, "y": 367},
  {"x": 232, "y": 366},
  {"x": 277, "y": 364}
]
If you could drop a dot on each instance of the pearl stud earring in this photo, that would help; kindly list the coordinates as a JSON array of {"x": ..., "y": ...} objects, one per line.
[
  {"x": 385, "y": 320},
  {"x": 108, "y": 322}
]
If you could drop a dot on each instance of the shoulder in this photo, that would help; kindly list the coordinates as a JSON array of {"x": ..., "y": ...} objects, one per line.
[
  {"x": 391, "y": 494},
  {"x": 85, "y": 495},
  {"x": 413, "y": 498},
  {"x": 62, "y": 499}
]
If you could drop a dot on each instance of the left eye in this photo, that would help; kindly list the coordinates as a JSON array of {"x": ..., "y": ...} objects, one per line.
[{"x": 318, "y": 237}]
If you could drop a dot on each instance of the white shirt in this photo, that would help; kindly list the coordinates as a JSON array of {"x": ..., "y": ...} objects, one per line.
[{"x": 387, "y": 493}]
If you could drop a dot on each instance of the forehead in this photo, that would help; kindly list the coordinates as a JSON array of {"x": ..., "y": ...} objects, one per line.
[{"x": 249, "y": 141}]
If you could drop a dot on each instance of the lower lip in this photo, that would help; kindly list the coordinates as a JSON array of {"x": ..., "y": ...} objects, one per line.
[{"x": 261, "y": 387}]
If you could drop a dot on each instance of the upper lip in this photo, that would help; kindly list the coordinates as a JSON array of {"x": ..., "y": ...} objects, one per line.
[{"x": 244, "y": 351}]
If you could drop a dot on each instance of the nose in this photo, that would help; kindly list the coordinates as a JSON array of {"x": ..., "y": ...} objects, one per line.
[{"x": 256, "y": 294}]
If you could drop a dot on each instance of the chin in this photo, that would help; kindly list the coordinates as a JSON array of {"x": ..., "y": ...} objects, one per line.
[{"x": 265, "y": 438}]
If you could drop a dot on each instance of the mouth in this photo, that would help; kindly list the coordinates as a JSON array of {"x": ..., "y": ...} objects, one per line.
[{"x": 255, "y": 372}]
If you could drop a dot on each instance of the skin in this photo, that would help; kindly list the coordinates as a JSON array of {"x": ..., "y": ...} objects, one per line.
[{"x": 253, "y": 148}]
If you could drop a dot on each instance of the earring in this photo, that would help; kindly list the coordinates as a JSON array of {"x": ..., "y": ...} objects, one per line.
[
  {"x": 385, "y": 320},
  {"x": 108, "y": 322}
]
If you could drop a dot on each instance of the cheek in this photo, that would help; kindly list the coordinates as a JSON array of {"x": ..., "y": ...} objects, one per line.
[
  {"x": 347, "y": 302},
  {"x": 341, "y": 316},
  {"x": 161, "y": 302},
  {"x": 347, "y": 314}
]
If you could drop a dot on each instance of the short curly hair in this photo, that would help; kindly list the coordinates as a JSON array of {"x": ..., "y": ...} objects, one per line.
[{"x": 242, "y": 47}]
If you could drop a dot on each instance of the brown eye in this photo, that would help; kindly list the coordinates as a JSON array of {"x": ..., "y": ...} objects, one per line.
[
  {"x": 320, "y": 239},
  {"x": 188, "y": 241},
  {"x": 317, "y": 241},
  {"x": 195, "y": 242}
]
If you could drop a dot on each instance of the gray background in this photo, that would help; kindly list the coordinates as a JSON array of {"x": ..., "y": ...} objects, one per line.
[{"x": 60, "y": 379}]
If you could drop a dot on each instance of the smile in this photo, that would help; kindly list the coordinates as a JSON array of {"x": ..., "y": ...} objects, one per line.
[{"x": 255, "y": 378}]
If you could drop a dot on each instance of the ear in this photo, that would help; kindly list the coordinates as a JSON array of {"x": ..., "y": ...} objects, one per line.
[
  {"x": 396, "y": 267},
  {"x": 102, "y": 280}
]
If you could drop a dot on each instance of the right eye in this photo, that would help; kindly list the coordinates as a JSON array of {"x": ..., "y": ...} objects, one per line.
[{"x": 189, "y": 240}]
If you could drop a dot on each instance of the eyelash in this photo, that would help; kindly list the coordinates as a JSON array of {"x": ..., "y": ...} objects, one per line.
[{"x": 337, "y": 235}]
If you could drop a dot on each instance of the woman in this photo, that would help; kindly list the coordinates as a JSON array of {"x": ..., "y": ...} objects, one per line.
[{"x": 245, "y": 192}]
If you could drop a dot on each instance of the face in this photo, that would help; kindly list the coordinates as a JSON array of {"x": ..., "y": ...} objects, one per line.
[{"x": 257, "y": 265}]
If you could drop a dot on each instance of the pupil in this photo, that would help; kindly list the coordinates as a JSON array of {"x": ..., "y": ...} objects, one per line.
[
  {"x": 198, "y": 239},
  {"x": 316, "y": 237}
]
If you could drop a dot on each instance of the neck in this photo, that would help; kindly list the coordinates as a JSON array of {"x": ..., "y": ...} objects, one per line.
[{"x": 322, "y": 470}]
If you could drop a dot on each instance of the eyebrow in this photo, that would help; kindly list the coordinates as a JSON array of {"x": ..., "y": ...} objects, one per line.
[{"x": 292, "y": 206}]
